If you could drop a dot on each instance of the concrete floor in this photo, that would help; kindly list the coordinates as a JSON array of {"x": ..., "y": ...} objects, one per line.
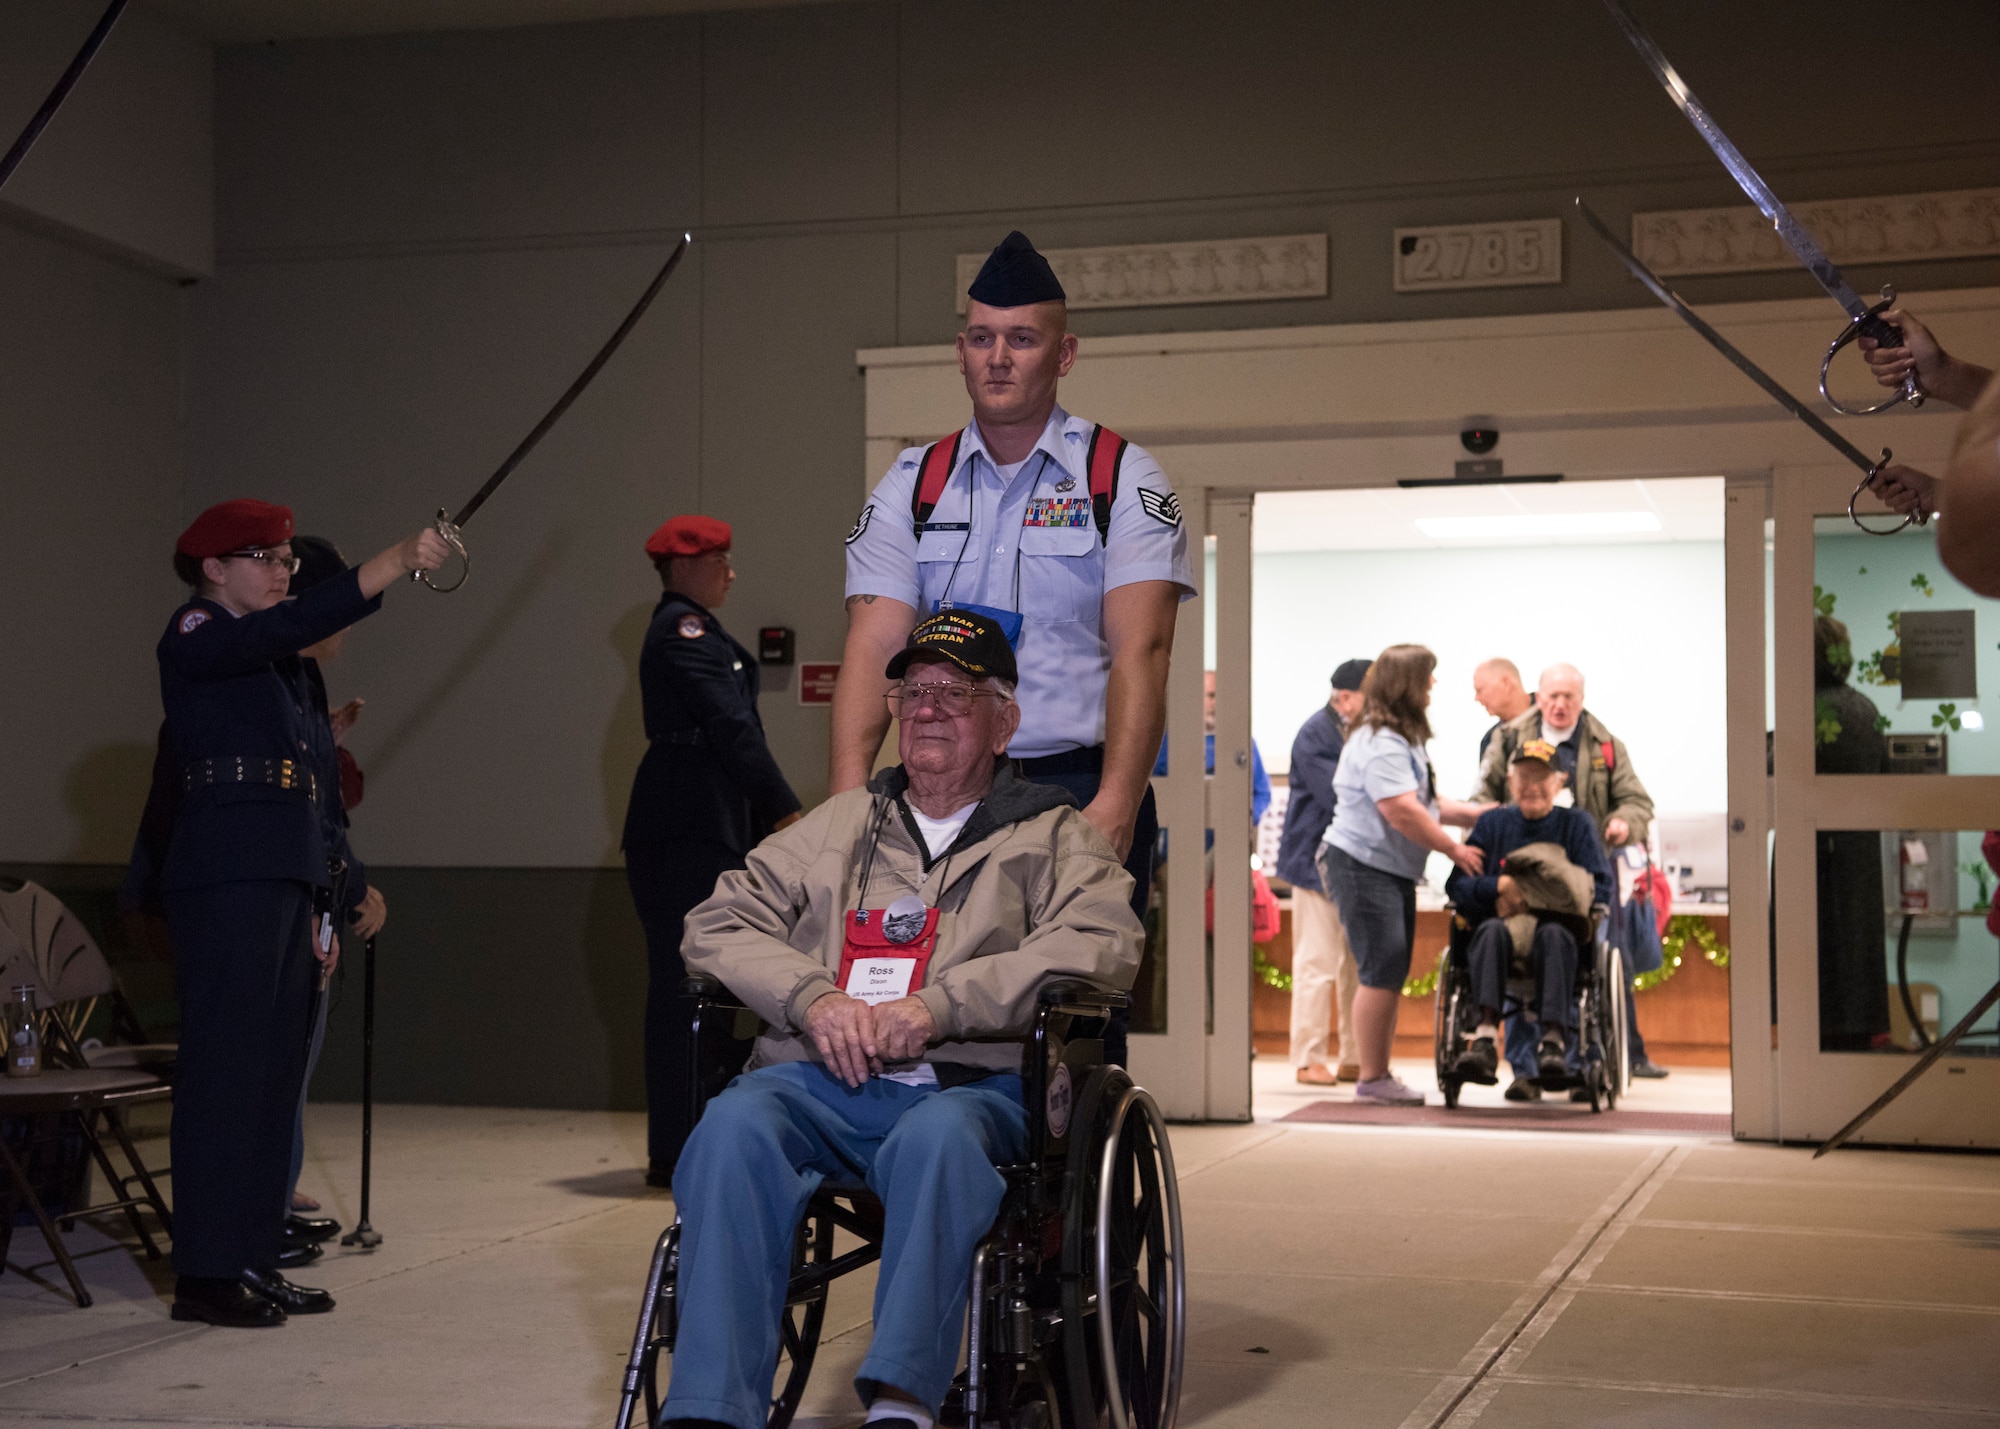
[{"x": 1340, "y": 1276}]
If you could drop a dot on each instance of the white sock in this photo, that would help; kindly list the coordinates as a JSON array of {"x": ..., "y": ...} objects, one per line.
[
  {"x": 1487, "y": 1029},
  {"x": 887, "y": 1408}
]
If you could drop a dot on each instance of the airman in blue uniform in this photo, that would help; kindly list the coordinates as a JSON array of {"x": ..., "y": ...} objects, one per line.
[
  {"x": 1066, "y": 535},
  {"x": 248, "y": 887},
  {"x": 706, "y": 793}
]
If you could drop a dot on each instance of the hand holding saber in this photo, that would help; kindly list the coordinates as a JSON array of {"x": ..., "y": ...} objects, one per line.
[
  {"x": 1870, "y": 470},
  {"x": 449, "y": 527}
]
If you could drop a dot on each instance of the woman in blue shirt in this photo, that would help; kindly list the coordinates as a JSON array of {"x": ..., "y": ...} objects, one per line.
[{"x": 1387, "y": 821}]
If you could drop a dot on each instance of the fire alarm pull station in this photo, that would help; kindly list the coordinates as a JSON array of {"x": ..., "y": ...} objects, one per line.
[{"x": 775, "y": 644}]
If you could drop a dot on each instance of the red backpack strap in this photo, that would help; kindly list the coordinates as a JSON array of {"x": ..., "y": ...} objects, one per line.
[
  {"x": 940, "y": 460},
  {"x": 1106, "y": 456},
  {"x": 1610, "y": 759}
]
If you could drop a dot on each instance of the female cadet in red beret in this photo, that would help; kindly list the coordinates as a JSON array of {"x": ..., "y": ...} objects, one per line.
[
  {"x": 707, "y": 791},
  {"x": 247, "y": 887}
]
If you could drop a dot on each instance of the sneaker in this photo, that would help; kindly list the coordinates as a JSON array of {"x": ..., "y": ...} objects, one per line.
[
  {"x": 1388, "y": 1091},
  {"x": 1552, "y": 1058},
  {"x": 1523, "y": 1090},
  {"x": 1649, "y": 1069},
  {"x": 1480, "y": 1061}
]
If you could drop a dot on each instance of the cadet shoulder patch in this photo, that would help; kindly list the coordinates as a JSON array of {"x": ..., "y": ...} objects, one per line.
[
  {"x": 861, "y": 523},
  {"x": 1163, "y": 506},
  {"x": 193, "y": 621},
  {"x": 691, "y": 627}
]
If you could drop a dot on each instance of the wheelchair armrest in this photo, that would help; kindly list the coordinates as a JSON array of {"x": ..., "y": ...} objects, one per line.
[
  {"x": 705, "y": 989},
  {"x": 1073, "y": 994}
]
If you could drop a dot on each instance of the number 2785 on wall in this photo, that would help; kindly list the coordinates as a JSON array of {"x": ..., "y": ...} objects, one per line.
[{"x": 1478, "y": 255}]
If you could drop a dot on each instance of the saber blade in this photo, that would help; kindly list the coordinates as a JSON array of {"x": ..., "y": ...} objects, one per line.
[
  {"x": 1794, "y": 234},
  {"x": 1728, "y": 349},
  {"x": 583, "y": 380},
  {"x": 92, "y": 43},
  {"x": 1923, "y": 1064}
]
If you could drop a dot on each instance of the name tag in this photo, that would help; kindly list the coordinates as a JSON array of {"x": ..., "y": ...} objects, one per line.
[
  {"x": 1059, "y": 511},
  {"x": 880, "y": 979}
]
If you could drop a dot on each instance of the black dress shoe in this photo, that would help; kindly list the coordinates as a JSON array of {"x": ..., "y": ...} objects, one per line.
[
  {"x": 1480, "y": 1062},
  {"x": 1649, "y": 1069},
  {"x": 274, "y": 1289},
  {"x": 312, "y": 1227},
  {"x": 1522, "y": 1090},
  {"x": 295, "y": 1251},
  {"x": 1553, "y": 1062},
  {"x": 223, "y": 1302}
]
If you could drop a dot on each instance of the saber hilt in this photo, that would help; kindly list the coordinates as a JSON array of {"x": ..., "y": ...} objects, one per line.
[
  {"x": 1917, "y": 518},
  {"x": 1871, "y": 326},
  {"x": 449, "y": 531}
]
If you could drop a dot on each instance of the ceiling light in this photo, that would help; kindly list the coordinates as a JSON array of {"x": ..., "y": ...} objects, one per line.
[{"x": 1509, "y": 528}]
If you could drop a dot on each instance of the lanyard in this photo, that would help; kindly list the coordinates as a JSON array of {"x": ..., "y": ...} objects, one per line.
[{"x": 972, "y": 511}]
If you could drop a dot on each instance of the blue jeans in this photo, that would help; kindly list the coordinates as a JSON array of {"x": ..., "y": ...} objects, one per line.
[
  {"x": 1378, "y": 911},
  {"x": 760, "y": 1151}
]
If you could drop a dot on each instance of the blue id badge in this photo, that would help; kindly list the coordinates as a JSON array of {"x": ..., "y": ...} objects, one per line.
[{"x": 1009, "y": 621}]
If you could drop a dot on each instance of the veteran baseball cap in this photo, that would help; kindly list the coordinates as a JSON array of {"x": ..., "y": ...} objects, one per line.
[
  {"x": 974, "y": 643},
  {"x": 1350, "y": 674},
  {"x": 1535, "y": 751}
]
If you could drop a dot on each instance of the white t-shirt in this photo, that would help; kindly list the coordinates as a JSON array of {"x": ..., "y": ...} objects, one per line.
[
  {"x": 1557, "y": 737},
  {"x": 939, "y": 833}
]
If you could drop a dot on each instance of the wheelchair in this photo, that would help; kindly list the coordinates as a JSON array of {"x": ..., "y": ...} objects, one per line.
[
  {"x": 1603, "y": 1063},
  {"x": 1078, "y": 1305}
]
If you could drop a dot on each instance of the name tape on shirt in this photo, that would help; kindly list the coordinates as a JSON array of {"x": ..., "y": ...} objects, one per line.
[
  {"x": 1071, "y": 512},
  {"x": 193, "y": 621},
  {"x": 691, "y": 627},
  {"x": 861, "y": 523},
  {"x": 1163, "y": 506}
]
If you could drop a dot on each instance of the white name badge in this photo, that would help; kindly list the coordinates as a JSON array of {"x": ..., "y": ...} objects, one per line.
[{"x": 873, "y": 980}]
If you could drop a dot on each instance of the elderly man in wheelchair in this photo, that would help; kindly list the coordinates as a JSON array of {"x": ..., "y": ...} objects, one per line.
[
  {"x": 895, "y": 944},
  {"x": 1535, "y": 911}
]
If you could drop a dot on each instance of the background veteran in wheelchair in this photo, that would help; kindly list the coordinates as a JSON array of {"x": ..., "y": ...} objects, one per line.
[
  {"x": 892, "y": 951},
  {"x": 1519, "y": 934}
]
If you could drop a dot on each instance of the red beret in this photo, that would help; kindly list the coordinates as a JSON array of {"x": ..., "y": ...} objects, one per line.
[
  {"x": 688, "y": 536},
  {"x": 232, "y": 525}
]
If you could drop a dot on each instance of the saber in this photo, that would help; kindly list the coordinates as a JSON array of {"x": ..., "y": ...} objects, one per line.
[
  {"x": 1936, "y": 1050},
  {"x": 1758, "y": 375},
  {"x": 451, "y": 527},
  {"x": 57, "y": 95},
  {"x": 1863, "y": 320}
]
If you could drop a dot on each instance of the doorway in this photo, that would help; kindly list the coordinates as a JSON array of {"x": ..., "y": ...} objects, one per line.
[{"x": 1623, "y": 578}]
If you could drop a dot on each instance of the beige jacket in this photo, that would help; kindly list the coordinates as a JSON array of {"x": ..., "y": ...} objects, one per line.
[
  {"x": 1029, "y": 891},
  {"x": 1605, "y": 786}
]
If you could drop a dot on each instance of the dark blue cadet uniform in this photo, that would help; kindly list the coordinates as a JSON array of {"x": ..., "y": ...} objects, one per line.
[
  {"x": 252, "y": 846},
  {"x": 707, "y": 791}
]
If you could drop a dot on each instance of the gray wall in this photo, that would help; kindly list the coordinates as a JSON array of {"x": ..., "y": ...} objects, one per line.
[{"x": 421, "y": 239}]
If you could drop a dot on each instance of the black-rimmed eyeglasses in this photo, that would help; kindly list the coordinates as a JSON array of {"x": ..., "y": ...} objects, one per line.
[{"x": 284, "y": 561}]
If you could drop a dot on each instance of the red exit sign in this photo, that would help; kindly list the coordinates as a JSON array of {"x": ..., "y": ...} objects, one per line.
[{"x": 816, "y": 682}]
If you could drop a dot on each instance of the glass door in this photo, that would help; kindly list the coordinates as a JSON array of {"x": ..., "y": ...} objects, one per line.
[{"x": 1885, "y": 780}]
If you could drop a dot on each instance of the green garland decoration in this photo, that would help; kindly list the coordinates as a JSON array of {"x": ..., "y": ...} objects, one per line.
[
  {"x": 1268, "y": 972},
  {"x": 1427, "y": 984},
  {"x": 1684, "y": 928}
]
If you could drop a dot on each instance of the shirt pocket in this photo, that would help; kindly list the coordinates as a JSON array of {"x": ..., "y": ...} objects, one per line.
[{"x": 1062, "y": 574}]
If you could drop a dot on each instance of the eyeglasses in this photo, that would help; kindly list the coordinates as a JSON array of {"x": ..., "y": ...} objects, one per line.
[
  {"x": 950, "y": 699},
  {"x": 288, "y": 562}
]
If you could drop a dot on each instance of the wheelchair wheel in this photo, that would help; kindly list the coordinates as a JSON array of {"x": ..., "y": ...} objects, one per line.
[
  {"x": 798, "y": 1324},
  {"x": 1445, "y": 1036},
  {"x": 1124, "y": 1286},
  {"x": 1618, "y": 1042}
]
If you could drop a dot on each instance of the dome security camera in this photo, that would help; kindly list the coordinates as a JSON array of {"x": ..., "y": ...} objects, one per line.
[{"x": 1479, "y": 440}]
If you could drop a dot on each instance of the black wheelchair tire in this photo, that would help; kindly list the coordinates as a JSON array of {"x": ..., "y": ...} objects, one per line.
[
  {"x": 799, "y": 1325},
  {"x": 1444, "y": 1028},
  {"x": 1449, "y": 1086},
  {"x": 1078, "y": 1373}
]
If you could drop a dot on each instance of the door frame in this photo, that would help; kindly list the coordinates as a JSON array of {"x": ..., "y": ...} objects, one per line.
[{"x": 1594, "y": 395}]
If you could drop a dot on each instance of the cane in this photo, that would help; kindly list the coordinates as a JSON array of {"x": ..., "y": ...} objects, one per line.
[{"x": 363, "y": 1234}]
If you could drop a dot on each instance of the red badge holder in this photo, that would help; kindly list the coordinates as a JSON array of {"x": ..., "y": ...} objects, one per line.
[{"x": 885, "y": 952}]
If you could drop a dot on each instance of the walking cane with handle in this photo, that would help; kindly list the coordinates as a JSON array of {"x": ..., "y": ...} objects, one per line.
[{"x": 363, "y": 1234}]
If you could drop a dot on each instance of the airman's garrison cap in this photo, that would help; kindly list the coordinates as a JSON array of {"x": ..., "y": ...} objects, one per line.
[{"x": 1015, "y": 275}]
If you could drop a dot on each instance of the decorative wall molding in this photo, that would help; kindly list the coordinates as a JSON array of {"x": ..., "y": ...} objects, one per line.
[
  {"x": 1158, "y": 275},
  {"x": 1957, "y": 223}
]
